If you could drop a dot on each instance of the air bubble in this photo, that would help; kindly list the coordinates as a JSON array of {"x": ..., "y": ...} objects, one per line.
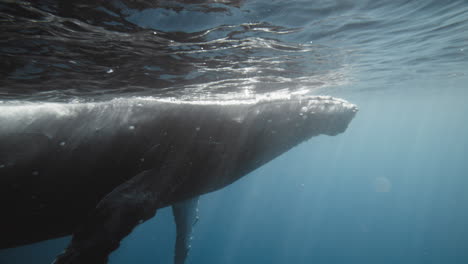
[
  {"x": 382, "y": 184},
  {"x": 197, "y": 128},
  {"x": 110, "y": 71},
  {"x": 62, "y": 143},
  {"x": 131, "y": 127}
]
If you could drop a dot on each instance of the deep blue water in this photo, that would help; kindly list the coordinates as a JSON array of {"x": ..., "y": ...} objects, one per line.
[{"x": 391, "y": 189}]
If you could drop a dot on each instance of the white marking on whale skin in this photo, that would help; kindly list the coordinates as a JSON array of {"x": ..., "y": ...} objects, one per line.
[
  {"x": 238, "y": 119},
  {"x": 16, "y": 116},
  {"x": 15, "y": 109},
  {"x": 312, "y": 100}
]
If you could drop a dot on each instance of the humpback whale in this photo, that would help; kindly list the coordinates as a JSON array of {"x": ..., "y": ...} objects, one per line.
[{"x": 97, "y": 169}]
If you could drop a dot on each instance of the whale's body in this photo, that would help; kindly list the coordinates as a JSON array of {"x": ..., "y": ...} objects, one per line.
[{"x": 96, "y": 170}]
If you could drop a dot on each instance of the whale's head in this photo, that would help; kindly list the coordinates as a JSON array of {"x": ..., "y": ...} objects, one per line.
[
  {"x": 275, "y": 126},
  {"x": 303, "y": 117},
  {"x": 324, "y": 114}
]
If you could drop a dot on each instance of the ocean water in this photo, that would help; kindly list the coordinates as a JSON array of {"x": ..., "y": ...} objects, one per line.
[{"x": 390, "y": 189}]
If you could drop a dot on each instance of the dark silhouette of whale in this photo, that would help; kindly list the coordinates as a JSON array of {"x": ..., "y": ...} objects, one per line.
[{"x": 98, "y": 169}]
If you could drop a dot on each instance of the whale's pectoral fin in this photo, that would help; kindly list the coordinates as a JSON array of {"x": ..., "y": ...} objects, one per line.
[
  {"x": 185, "y": 216},
  {"x": 113, "y": 218}
]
